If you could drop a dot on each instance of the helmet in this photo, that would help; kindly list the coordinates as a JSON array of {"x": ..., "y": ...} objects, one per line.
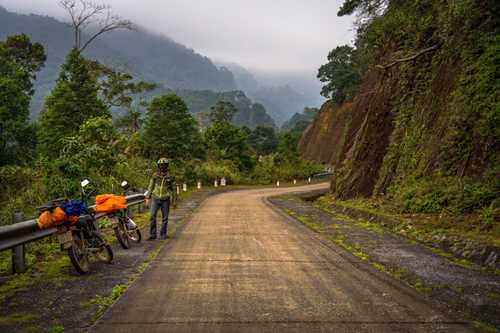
[{"x": 162, "y": 162}]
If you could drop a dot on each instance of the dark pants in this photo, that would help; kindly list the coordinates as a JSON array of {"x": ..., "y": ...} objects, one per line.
[{"x": 156, "y": 205}]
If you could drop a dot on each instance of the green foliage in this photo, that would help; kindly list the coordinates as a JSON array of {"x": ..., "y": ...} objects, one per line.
[
  {"x": 340, "y": 74},
  {"x": 475, "y": 121},
  {"x": 222, "y": 112},
  {"x": 89, "y": 154},
  {"x": 19, "y": 60},
  {"x": 363, "y": 7},
  {"x": 225, "y": 142},
  {"x": 131, "y": 121},
  {"x": 288, "y": 151},
  {"x": 169, "y": 130},
  {"x": 300, "y": 121},
  {"x": 208, "y": 171},
  {"x": 73, "y": 100},
  {"x": 248, "y": 114},
  {"x": 117, "y": 88},
  {"x": 274, "y": 167},
  {"x": 433, "y": 194},
  {"x": 444, "y": 148},
  {"x": 263, "y": 140}
]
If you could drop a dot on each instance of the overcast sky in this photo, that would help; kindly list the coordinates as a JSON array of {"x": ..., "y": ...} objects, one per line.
[{"x": 282, "y": 36}]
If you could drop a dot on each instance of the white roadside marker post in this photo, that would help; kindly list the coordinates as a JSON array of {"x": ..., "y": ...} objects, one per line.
[
  {"x": 309, "y": 180},
  {"x": 216, "y": 183},
  {"x": 199, "y": 185},
  {"x": 295, "y": 182},
  {"x": 184, "y": 187},
  {"x": 178, "y": 190},
  {"x": 278, "y": 183}
]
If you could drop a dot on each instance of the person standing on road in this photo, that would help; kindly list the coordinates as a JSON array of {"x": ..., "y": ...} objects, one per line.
[{"x": 161, "y": 193}]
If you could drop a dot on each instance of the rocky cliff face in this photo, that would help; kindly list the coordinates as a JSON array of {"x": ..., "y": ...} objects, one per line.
[
  {"x": 323, "y": 139},
  {"x": 424, "y": 131}
]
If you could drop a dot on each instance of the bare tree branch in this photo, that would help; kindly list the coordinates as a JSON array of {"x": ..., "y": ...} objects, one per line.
[
  {"x": 84, "y": 13},
  {"x": 409, "y": 58}
]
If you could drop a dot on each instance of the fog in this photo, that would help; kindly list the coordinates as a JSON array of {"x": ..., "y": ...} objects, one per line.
[{"x": 270, "y": 38}]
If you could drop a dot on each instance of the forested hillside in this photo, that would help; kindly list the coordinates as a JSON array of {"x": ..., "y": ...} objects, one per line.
[
  {"x": 146, "y": 55},
  {"x": 414, "y": 114},
  {"x": 248, "y": 114},
  {"x": 300, "y": 120}
]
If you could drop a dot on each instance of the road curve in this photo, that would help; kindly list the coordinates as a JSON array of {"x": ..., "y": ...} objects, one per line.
[{"x": 240, "y": 265}]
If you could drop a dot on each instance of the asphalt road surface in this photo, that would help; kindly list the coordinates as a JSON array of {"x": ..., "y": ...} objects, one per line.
[{"x": 240, "y": 265}]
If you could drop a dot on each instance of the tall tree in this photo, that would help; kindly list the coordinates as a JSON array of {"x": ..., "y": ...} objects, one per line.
[
  {"x": 340, "y": 74},
  {"x": 364, "y": 8},
  {"x": 73, "y": 100},
  {"x": 222, "y": 112},
  {"x": 170, "y": 130},
  {"x": 84, "y": 13},
  {"x": 225, "y": 142},
  {"x": 116, "y": 88},
  {"x": 263, "y": 140},
  {"x": 20, "y": 59}
]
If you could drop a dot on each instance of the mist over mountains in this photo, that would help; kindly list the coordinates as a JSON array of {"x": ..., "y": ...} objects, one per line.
[
  {"x": 276, "y": 93},
  {"x": 152, "y": 57}
]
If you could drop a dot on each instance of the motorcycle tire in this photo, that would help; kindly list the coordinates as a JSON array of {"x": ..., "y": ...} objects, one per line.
[
  {"x": 79, "y": 256},
  {"x": 121, "y": 234}
]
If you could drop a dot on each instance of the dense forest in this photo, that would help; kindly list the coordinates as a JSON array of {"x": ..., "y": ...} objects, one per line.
[{"x": 414, "y": 110}]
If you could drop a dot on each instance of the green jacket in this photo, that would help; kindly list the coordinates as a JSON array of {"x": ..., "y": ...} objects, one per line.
[{"x": 161, "y": 187}]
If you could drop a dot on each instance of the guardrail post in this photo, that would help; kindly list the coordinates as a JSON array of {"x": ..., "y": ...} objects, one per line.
[{"x": 18, "y": 254}]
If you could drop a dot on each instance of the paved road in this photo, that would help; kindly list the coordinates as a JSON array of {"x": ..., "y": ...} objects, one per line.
[{"x": 241, "y": 266}]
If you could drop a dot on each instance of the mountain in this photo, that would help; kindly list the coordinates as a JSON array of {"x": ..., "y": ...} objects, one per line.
[
  {"x": 144, "y": 54},
  {"x": 281, "y": 100},
  {"x": 300, "y": 120},
  {"x": 245, "y": 80},
  {"x": 249, "y": 114}
]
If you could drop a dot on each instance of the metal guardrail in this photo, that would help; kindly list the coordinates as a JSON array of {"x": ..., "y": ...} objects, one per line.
[
  {"x": 322, "y": 174},
  {"x": 19, "y": 233}
]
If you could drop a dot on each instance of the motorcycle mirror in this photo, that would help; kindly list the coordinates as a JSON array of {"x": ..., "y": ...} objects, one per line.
[
  {"x": 85, "y": 182},
  {"x": 124, "y": 183}
]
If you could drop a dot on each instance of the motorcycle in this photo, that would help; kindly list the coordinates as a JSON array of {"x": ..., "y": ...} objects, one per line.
[
  {"x": 126, "y": 231},
  {"x": 82, "y": 239}
]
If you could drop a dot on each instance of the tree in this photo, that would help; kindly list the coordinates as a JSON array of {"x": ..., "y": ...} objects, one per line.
[
  {"x": 222, "y": 112},
  {"x": 84, "y": 13},
  {"x": 170, "y": 130},
  {"x": 340, "y": 74},
  {"x": 227, "y": 143},
  {"x": 131, "y": 121},
  {"x": 116, "y": 88},
  {"x": 20, "y": 59},
  {"x": 287, "y": 149},
  {"x": 90, "y": 153},
  {"x": 263, "y": 140},
  {"x": 366, "y": 8},
  {"x": 73, "y": 100}
]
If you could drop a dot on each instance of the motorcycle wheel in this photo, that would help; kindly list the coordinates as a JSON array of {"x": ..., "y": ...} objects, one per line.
[
  {"x": 78, "y": 255},
  {"x": 122, "y": 235},
  {"x": 135, "y": 235},
  {"x": 106, "y": 253}
]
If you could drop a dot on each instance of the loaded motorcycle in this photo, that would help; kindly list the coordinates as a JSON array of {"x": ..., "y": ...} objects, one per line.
[
  {"x": 126, "y": 231},
  {"x": 81, "y": 239}
]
